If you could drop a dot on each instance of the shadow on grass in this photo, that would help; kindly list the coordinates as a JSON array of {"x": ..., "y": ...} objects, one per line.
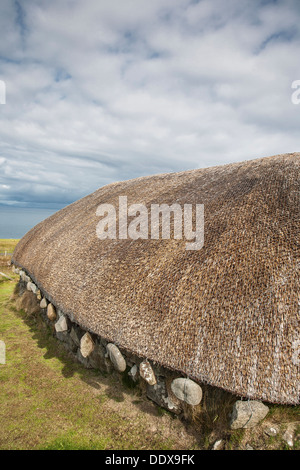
[
  {"x": 211, "y": 415},
  {"x": 116, "y": 385}
]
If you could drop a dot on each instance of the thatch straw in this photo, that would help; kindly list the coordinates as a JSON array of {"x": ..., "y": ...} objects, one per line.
[{"x": 228, "y": 314}]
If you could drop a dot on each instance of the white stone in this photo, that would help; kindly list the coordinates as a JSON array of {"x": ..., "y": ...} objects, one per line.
[
  {"x": 187, "y": 390},
  {"x": 87, "y": 345},
  {"x": 24, "y": 277},
  {"x": 2, "y": 352},
  {"x": 247, "y": 414},
  {"x": 218, "y": 445},
  {"x": 288, "y": 436},
  {"x": 116, "y": 357},
  {"x": 170, "y": 405},
  {"x": 61, "y": 324},
  {"x": 43, "y": 303},
  {"x": 271, "y": 431},
  {"x": 33, "y": 287},
  {"x": 146, "y": 372},
  {"x": 133, "y": 373}
]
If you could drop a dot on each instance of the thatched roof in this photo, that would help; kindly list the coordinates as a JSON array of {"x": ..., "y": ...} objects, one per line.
[{"x": 227, "y": 314}]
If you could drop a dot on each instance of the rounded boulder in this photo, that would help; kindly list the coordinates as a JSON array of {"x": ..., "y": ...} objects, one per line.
[
  {"x": 186, "y": 390},
  {"x": 116, "y": 357}
]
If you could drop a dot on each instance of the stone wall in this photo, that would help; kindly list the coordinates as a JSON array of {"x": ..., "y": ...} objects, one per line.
[{"x": 165, "y": 387}]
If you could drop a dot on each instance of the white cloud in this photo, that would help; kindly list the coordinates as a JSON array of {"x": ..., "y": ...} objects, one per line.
[{"x": 101, "y": 91}]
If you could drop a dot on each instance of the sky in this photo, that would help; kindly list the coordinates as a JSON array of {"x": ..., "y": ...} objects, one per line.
[{"x": 98, "y": 91}]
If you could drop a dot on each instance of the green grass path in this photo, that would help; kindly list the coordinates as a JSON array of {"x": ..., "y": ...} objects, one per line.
[{"x": 48, "y": 401}]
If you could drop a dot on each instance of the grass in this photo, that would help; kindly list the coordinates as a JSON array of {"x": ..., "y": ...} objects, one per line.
[
  {"x": 236, "y": 438},
  {"x": 48, "y": 401},
  {"x": 8, "y": 244},
  {"x": 280, "y": 413}
]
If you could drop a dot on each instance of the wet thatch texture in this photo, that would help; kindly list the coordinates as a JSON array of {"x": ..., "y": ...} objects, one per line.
[{"x": 228, "y": 314}]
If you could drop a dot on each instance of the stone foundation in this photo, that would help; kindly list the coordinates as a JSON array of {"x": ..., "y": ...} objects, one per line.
[{"x": 166, "y": 388}]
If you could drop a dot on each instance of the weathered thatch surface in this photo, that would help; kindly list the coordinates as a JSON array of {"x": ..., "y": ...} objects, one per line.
[{"x": 227, "y": 314}]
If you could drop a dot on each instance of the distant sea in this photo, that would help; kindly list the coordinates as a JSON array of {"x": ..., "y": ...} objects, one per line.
[{"x": 16, "y": 221}]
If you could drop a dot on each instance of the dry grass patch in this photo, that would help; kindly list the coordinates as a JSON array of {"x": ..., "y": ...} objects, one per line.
[{"x": 8, "y": 244}]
